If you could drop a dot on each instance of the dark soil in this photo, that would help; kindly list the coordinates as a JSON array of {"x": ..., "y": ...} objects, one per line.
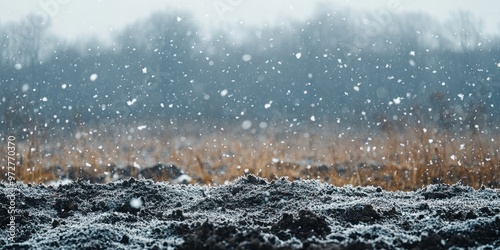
[{"x": 250, "y": 213}]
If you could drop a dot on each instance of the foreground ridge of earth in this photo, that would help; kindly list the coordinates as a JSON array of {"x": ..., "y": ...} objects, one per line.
[{"x": 249, "y": 213}]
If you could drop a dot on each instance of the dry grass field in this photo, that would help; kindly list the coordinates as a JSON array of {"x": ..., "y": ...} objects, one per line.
[{"x": 394, "y": 160}]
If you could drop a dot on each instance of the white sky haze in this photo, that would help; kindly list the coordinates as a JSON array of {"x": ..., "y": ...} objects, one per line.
[{"x": 73, "y": 19}]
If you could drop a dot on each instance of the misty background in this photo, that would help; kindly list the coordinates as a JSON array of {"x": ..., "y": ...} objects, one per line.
[{"x": 341, "y": 66}]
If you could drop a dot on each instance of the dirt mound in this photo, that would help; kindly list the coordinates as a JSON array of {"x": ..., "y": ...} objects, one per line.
[{"x": 249, "y": 213}]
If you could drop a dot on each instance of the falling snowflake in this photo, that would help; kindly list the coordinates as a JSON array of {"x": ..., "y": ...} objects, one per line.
[
  {"x": 246, "y": 57},
  {"x": 136, "y": 203},
  {"x": 93, "y": 77}
]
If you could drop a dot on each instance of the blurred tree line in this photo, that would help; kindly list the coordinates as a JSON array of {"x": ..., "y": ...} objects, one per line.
[{"x": 407, "y": 67}]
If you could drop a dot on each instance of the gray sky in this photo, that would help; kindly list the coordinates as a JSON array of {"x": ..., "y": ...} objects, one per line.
[{"x": 73, "y": 19}]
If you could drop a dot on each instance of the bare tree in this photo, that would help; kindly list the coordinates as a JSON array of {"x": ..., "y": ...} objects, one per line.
[{"x": 22, "y": 43}]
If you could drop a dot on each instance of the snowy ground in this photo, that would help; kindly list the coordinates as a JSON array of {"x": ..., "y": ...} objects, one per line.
[{"x": 250, "y": 213}]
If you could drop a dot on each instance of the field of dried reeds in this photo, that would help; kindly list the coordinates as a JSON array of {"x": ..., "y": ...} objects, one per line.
[{"x": 394, "y": 160}]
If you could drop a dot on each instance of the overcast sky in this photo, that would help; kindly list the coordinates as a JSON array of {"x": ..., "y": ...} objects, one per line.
[{"x": 75, "y": 18}]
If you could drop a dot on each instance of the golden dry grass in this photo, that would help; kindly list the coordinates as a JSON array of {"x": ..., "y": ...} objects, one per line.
[{"x": 394, "y": 160}]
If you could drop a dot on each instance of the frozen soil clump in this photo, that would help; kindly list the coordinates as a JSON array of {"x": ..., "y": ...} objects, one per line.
[{"x": 249, "y": 213}]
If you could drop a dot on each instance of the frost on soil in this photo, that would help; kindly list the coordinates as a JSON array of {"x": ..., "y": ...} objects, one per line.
[{"x": 250, "y": 213}]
